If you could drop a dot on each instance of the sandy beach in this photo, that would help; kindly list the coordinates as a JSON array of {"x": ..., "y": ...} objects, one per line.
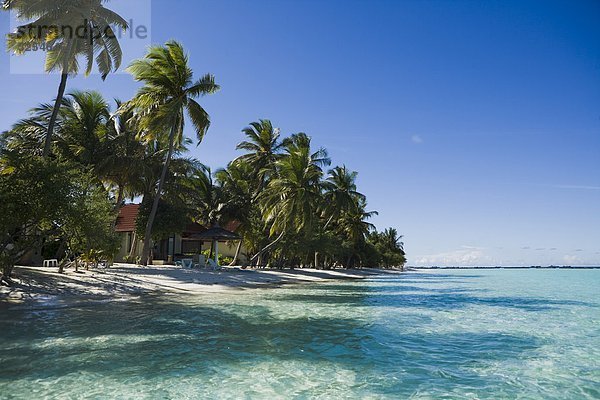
[{"x": 37, "y": 286}]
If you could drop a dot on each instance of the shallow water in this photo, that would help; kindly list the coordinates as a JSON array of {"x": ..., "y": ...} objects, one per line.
[{"x": 489, "y": 334}]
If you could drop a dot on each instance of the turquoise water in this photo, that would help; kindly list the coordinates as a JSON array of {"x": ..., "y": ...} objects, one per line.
[{"x": 494, "y": 334}]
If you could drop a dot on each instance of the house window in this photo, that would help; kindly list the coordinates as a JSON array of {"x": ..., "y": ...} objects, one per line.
[{"x": 191, "y": 246}]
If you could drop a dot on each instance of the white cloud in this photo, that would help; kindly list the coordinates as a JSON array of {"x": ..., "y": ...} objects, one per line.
[
  {"x": 572, "y": 260},
  {"x": 577, "y": 187},
  {"x": 416, "y": 139},
  {"x": 466, "y": 256},
  {"x": 581, "y": 259}
]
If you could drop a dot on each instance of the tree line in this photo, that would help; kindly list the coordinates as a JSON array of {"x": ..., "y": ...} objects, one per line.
[{"x": 67, "y": 168}]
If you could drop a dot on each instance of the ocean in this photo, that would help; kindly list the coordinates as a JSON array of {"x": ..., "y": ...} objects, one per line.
[{"x": 443, "y": 334}]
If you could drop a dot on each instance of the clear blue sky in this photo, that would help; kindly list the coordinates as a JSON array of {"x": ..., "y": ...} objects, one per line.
[{"x": 475, "y": 126}]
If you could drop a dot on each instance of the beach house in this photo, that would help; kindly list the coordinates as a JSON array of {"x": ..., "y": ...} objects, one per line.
[{"x": 188, "y": 243}]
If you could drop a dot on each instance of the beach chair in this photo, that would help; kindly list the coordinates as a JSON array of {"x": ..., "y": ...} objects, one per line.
[{"x": 212, "y": 264}]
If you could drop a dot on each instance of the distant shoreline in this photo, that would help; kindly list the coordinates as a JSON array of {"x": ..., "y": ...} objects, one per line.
[{"x": 532, "y": 267}]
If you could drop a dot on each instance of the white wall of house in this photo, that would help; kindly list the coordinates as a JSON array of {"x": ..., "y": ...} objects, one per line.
[
  {"x": 126, "y": 241},
  {"x": 226, "y": 249}
]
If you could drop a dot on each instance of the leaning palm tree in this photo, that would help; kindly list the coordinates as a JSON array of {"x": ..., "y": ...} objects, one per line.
[
  {"x": 68, "y": 29},
  {"x": 161, "y": 104},
  {"x": 291, "y": 199}
]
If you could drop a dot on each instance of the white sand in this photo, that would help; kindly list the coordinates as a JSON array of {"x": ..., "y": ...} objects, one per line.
[{"x": 46, "y": 285}]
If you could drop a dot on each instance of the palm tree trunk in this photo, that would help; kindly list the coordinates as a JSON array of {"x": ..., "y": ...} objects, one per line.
[
  {"x": 133, "y": 248},
  {"x": 61, "y": 249},
  {"x": 120, "y": 197},
  {"x": 59, "y": 98},
  {"x": 152, "y": 216},
  {"x": 237, "y": 254},
  {"x": 328, "y": 221},
  {"x": 267, "y": 247}
]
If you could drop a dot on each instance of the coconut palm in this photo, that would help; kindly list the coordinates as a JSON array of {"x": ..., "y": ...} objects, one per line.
[
  {"x": 354, "y": 227},
  {"x": 167, "y": 95},
  {"x": 391, "y": 240},
  {"x": 27, "y": 134},
  {"x": 82, "y": 125},
  {"x": 263, "y": 149},
  {"x": 67, "y": 29},
  {"x": 354, "y": 224},
  {"x": 341, "y": 193},
  {"x": 126, "y": 156},
  {"x": 205, "y": 195},
  {"x": 237, "y": 188},
  {"x": 85, "y": 118},
  {"x": 290, "y": 201}
]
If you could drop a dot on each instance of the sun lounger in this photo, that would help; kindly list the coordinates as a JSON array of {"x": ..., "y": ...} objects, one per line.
[{"x": 51, "y": 263}]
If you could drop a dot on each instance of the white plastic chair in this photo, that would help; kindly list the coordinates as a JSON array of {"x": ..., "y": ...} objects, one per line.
[{"x": 51, "y": 263}]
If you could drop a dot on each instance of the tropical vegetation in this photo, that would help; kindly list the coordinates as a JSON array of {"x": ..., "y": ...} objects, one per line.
[{"x": 68, "y": 167}]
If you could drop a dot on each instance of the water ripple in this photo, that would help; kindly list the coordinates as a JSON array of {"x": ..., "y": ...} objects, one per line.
[{"x": 493, "y": 335}]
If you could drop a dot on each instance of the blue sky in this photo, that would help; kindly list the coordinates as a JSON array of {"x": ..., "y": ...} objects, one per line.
[{"x": 475, "y": 126}]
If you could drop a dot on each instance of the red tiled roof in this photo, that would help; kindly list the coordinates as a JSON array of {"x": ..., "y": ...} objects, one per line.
[
  {"x": 191, "y": 230},
  {"x": 127, "y": 216},
  {"x": 232, "y": 226},
  {"x": 129, "y": 212}
]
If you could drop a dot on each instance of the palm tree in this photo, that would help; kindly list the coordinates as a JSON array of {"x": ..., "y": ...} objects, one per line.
[
  {"x": 341, "y": 193},
  {"x": 354, "y": 226},
  {"x": 236, "y": 184},
  {"x": 126, "y": 156},
  {"x": 206, "y": 196},
  {"x": 237, "y": 188},
  {"x": 168, "y": 93},
  {"x": 291, "y": 199},
  {"x": 391, "y": 240},
  {"x": 263, "y": 148},
  {"x": 85, "y": 118},
  {"x": 82, "y": 126},
  {"x": 27, "y": 134},
  {"x": 68, "y": 29}
]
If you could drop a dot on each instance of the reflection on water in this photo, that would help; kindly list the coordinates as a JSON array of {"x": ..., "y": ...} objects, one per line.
[{"x": 497, "y": 334}]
